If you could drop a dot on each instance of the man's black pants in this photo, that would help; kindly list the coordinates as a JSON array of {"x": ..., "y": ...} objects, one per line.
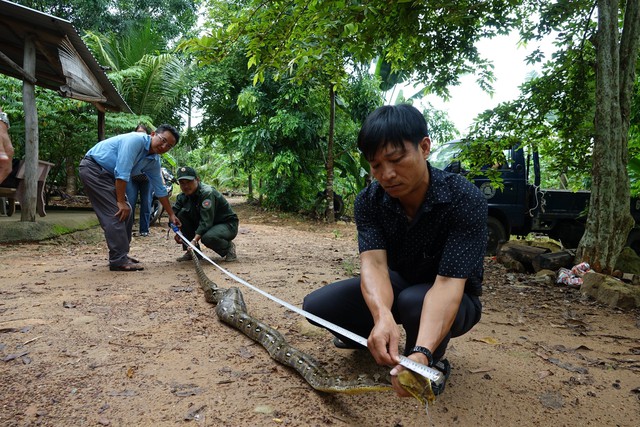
[{"x": 342, "y": 303}]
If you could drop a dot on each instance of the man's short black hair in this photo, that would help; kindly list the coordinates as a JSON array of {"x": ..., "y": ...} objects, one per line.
[
  {"x": 166, "y": 127},
  {"x": 391, "y": 124}
]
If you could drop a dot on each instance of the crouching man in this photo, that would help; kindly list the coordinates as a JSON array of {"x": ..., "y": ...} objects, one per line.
[
  {"x": 206, "y": 216},
  {"x": 422, "y": 235}
]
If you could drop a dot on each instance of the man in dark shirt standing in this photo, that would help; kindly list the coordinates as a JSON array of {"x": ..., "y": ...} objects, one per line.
[
  {"x": 422, "y": 236},
  {"x": 205, "y": 216}
]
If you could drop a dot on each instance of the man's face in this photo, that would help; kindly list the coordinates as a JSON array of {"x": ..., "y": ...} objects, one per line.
[
  {"x": 401, "y": 170},
  {"x": 189, "y": 186},
  {"x": 161, "y": 142}
]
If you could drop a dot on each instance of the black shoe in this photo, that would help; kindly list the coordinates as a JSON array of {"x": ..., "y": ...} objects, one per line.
[
  {"x": 443, "y": 366},
  {"x": 346, "y": 345}
]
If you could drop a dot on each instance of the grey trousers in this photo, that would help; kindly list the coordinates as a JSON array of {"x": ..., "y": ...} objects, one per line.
[{"x": 100, "y": 188}]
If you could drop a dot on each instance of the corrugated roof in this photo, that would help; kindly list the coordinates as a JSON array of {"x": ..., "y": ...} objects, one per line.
[{"x": 50, "y": 33}]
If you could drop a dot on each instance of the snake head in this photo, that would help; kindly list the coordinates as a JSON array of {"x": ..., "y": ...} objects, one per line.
[{"x": 418, "y": 386}]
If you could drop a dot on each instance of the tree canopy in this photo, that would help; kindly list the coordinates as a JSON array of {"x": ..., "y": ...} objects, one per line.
[{"x": 283, "y": 86}]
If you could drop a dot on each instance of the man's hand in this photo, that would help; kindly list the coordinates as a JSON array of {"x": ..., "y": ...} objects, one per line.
[
  {"x": 378, "y": 294},
  {"x": 124, "y": 210},
  {"x": 177, "y": 238},
  {"x": 383, "y": 341},
  {"x": 174, "y": 219},
  {"x": 416, "y": 357}
]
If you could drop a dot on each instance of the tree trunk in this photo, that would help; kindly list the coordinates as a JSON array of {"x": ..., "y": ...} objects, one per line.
[
  {"x": 101, "y": 125},
  {"x": 609, "y": 219},
  {"x": 330, "y": 213},
  {"x": 29, "y": 204},
  {"x": 250, "y": 182},
  {"x": 70, "y": 171}
]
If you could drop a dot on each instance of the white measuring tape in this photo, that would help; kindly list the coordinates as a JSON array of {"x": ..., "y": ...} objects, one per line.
[{"x": 424, "y": 370}]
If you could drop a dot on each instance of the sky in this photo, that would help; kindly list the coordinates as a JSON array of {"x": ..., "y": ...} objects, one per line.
[{"x": 468, "y": 100}]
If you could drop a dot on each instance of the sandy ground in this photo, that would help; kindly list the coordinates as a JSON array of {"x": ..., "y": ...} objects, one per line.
[{"x": 81, "y": 345}]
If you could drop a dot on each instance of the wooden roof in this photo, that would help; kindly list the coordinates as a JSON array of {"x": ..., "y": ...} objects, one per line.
[{"x": 63, "y": 61}]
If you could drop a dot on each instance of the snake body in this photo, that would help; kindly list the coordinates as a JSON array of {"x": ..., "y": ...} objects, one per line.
[{"x": 232, "y": 310}]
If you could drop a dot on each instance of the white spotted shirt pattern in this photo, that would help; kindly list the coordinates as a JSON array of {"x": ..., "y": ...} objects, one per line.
[{"x": 447, "y": 237}]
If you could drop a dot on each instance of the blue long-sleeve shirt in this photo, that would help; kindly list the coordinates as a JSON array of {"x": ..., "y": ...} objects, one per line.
[{"x": 128, "y": 155}]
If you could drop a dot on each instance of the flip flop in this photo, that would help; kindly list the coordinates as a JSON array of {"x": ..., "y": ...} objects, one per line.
[
  {"x": 133, "y": 260},
  {"x": 126, "y": 267}
]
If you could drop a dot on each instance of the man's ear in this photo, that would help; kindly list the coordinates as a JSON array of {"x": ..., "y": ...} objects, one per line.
[{"x": 425, "y": 146}]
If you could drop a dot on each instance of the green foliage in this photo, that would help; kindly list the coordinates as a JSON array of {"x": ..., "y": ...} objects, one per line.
[
  {"x": 364, "y": 95},
  {"x": 555, "y": 110},
  {"x": 255, "y": 124},
  {"x": 441, "y": 128},
  {"x": 268, "y": 66},
  {"x": 287, "y": 185},
  {"x": 152, "y": 83},
  {"x": 66, "y": 128},
  {"x": 171, "y": 18}
]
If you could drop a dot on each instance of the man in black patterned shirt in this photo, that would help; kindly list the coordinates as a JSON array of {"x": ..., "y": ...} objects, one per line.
[{"x": 422, "y": 236}]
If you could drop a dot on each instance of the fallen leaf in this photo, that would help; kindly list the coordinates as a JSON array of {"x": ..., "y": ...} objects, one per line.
[
  {"x": 544, "y": 374},
  {"x": 480, "y": 370},
  {"x": 131, "y": 371},
  {"x": 488, "y": 340}
]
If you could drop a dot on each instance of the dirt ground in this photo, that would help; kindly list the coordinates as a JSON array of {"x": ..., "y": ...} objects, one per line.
[{"x": 83, "y": 346}]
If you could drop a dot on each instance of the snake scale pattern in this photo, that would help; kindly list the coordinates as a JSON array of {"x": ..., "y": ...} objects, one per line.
[{"x": 231, "y": 309}]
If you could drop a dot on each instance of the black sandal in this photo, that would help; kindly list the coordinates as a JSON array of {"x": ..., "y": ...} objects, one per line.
[
  {"x": 126, "y": 267},
  {"x": 347, "y": 345}
]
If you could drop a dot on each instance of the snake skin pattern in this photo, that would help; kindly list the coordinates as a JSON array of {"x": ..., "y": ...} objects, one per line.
[{"x": 232, "y": 310}]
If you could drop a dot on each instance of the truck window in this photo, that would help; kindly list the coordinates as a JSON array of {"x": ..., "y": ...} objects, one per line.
[
  {"x": 508, "y": 159},
  {"x": 443, "y": 155}
]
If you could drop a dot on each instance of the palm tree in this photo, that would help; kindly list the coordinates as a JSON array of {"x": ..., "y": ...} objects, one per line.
[{"x": 150, "y": 78}]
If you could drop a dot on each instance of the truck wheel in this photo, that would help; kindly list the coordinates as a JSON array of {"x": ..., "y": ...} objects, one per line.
[
  {"x": 338, "y": 204},
  {"x": 633, "y": 241},
  {"x": 496, "y": 235},
  {"x": 11, "y": 206}
]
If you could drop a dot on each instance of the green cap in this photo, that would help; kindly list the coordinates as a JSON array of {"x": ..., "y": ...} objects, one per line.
[{"x": 185, "y": 172}]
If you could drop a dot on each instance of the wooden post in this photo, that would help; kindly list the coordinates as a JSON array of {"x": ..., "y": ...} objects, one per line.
[
  {"x": 101, "y": 123},
  {"x": 28, "y": 207}
]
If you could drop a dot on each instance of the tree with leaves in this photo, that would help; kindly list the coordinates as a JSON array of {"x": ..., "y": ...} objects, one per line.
[
  {"x": 321, "y": 41},
  {"x": 579, "y": 112},
  {"x": 171, "y": 18},
  {"x": 609, "y": 219}
]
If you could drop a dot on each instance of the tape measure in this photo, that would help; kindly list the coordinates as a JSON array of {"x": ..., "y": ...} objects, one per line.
[{"x": 424, "y": 370}]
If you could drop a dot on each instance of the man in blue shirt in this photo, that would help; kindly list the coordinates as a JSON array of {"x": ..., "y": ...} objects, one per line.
[
  {"x": 140, "y": 184},
  {"x": 105, "y": 171},
  {"x": 422, "y": 235}
]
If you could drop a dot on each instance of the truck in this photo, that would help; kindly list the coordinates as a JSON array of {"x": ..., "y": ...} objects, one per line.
[{"x": 522, "y": 207}]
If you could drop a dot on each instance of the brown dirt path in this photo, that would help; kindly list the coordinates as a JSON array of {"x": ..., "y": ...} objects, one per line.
[{"x": 81, "y": 345}]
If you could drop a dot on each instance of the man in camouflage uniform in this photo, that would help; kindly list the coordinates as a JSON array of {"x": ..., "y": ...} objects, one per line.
[{"x": 206, "y": 216}]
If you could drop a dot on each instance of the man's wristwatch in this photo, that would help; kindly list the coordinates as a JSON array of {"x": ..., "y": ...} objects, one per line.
[
  {"x": 423, "y": 350},
  {"x": 4, "y": 119}
]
